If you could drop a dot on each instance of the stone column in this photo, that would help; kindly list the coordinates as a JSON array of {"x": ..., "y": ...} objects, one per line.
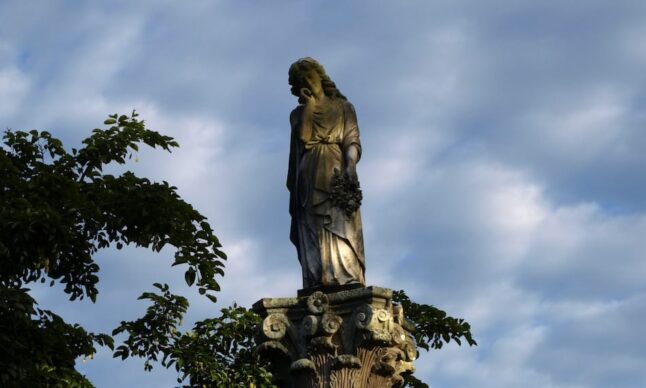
[{"x": 352, "y": 338}]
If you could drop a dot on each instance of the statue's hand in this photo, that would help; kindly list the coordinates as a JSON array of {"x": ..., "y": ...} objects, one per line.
[
  {"x": 351, "y": 172},
  {"x": 307, "y": 97}
]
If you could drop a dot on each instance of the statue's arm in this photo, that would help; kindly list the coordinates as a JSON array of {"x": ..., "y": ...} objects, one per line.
[
  {"x": 351, "y": 142},
  {"x": 294, "y": 119}
]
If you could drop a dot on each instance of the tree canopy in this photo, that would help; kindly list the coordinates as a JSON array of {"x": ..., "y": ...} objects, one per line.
[
  {"x": 58, "y": 208},
  {"x": 220, "y": 351}
]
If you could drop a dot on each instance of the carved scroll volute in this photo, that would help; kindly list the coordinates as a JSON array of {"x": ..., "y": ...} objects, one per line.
[
  {"x": 275, "y": 326},
  {"x": 382, "y": 323},
  {"x": 331, "y": 323},
  {"x": 322, "y": 341},
  {"x": 377, "y": 322},
  {"x": 317, "y": 303},
  {"x": 363, "y": 317},
  {"x": 384, "y": 319}
]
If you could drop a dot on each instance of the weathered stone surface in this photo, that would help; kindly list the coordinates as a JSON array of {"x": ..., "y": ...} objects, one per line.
[
  {"x": 352, "y": 338},
  {"x": 322, "y": 180}
]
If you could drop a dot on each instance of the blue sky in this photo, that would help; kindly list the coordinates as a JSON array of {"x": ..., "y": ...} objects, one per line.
[{"x": 502, "y": 168}]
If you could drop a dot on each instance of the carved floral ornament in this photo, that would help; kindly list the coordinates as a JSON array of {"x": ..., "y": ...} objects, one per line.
[{"x": 365, "y": 338}]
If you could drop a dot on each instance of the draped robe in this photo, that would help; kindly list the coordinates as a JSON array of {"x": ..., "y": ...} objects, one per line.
[{"x": 329, "y": 243}]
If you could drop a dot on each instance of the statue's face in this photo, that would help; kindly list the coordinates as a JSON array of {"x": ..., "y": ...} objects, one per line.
[{"x": 313, "y": 82}]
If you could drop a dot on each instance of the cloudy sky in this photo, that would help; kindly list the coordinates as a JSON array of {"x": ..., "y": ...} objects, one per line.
[{"x": 503, "y": 168}]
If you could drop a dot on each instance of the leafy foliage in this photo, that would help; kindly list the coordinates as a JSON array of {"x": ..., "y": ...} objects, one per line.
[
  {"x": 38, "y": 348},
  {"x": 57, "y": 209},
  {"x": 156, "y": 330},
  {"x": 432, "y": 327},
  {"x": 414, "y": 382},
  {"x": 220, "y": 351},
  {"x": 217, "y": 352}
]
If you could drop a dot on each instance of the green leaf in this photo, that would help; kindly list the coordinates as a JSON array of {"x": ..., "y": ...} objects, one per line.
[
  {"x": 57, "y": 212},
  {"x": 189, "y": 276}
]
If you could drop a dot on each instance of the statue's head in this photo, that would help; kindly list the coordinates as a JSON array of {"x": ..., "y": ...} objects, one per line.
[{"x": 299, "y": 79}]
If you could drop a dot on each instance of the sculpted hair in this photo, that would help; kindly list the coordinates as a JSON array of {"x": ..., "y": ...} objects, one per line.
[{"x": 301, "y": 67}]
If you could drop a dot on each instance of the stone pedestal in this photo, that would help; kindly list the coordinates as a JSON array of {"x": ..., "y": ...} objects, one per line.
[{"x": 351, "y": 338}]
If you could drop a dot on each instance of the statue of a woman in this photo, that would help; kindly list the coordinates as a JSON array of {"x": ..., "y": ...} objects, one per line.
[{"x": 324, "y": 151}]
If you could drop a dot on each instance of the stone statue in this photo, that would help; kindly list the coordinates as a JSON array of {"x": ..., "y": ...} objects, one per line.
[
  {"x": 322, "y": 180},
  {"x": 336, "y": 332}
]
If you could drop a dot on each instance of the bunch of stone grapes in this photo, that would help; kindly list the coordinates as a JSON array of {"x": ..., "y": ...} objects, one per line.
[{"x": 345, "y": 193}]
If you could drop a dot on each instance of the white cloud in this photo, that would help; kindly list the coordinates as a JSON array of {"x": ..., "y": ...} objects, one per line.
[
  {"x": 590, "y": 251},
  {"x": 201, "y": 144},
  {"x": 14, "y": 85},
  {"x": 578, "y": 131},
  {"x": 516, "y": 265},
  {"x": 502, "y": 167}
]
